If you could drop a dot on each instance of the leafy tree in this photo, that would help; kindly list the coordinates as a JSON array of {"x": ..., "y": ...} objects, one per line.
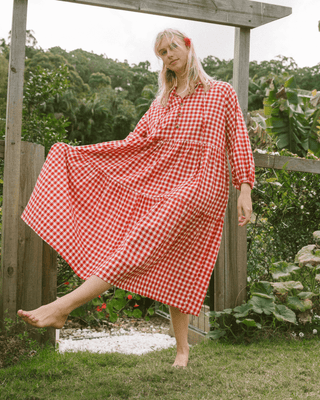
[
  {"x": 220, "y": 70},
  {"x": 38, "y": 125},
  {"x": 143, "y": 103},
  {"x": 4, "y": 49},
  {"x": 51, "y": 61},
  {"x": 99, "y": 80}
]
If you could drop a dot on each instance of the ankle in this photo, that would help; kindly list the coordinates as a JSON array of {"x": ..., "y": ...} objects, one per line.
[
  {"x": 62, "y": 307},
  {"x": 183, "y": 348}
]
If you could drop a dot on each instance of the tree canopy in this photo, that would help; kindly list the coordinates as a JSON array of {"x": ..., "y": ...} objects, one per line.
[{"x": 105, "y": 98}]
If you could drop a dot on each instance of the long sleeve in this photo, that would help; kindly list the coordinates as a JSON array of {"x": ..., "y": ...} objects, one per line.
[{"x": 238, "y": 143}]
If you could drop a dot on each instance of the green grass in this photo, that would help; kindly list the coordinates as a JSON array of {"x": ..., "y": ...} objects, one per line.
[{"x": 266, "y": 370}]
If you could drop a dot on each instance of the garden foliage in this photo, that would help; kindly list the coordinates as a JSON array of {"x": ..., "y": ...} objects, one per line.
[{"x": 281, "y": 304}]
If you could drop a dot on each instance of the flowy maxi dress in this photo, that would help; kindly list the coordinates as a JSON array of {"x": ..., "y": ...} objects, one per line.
[{"x": 146, "y": 213}]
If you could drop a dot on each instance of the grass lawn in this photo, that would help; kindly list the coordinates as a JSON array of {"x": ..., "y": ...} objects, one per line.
[{"x": 266, "y": 370}]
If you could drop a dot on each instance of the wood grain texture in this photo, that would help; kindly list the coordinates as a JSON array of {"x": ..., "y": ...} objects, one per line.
[
  {"x": 240, "y": 13},
  {"x": 11, "y": 187},
  {"x": 29, "y": 282},
  {"x": 49, "y": 284},
  {"x": 290, "y": 163}
]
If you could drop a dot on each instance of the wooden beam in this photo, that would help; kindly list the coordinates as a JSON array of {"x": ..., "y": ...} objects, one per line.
[
  {"x": 290, "y": 163},
  {"x": 239, "y": 13},
  {"x": 230, "y": 278},
  {"x": 241, "y": 67},
  {"x": 11, "y": 187}
]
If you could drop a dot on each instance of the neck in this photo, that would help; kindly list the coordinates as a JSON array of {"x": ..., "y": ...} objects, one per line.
[{"x": 181, "y": 82}]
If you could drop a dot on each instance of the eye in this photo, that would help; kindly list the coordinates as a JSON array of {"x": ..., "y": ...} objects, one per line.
[{"x": 163, "y": 52}]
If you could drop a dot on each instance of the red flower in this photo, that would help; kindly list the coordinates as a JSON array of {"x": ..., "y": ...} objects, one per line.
[
  {"x": 98, "y": 309},
  {"x": 129, "y": 297},
  {"x": 66, "y": 283},
  {"x": 136, "y": 305},
  {"x": 187, "y": 41},
  {"x": 99, "y": 296},
  {"x": 103, "y": 306}
]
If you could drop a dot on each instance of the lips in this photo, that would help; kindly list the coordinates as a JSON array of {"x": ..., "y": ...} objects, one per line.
[{"x": 173, "y": 61}]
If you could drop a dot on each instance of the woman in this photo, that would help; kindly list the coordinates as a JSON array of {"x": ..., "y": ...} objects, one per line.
[{"x": 146, "y": 214}]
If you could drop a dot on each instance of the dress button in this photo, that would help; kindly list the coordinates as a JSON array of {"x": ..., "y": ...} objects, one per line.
[
  {"x": 177, "y": 127},
  {"x": 179, "y": 115}
]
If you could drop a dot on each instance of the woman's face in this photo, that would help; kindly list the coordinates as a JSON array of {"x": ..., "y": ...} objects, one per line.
[{"x": 174, "y": 57}]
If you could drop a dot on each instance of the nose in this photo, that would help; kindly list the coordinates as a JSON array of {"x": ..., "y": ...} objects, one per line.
[{"x": 169, "y": 52}]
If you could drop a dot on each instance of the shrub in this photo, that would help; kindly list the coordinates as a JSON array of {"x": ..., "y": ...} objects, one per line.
[{"x": 281, "y": 305}]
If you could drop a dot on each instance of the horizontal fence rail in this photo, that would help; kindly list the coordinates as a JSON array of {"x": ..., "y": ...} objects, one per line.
[{"x": 290, "y": 163}]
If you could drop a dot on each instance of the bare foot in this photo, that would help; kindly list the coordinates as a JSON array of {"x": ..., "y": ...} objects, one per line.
[
  {"x": 49, "y": 315},
  {"x": 181, "y": 358}
]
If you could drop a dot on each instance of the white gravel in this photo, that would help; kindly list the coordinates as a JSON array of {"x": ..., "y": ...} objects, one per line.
[{"x": 129, "y": 341}]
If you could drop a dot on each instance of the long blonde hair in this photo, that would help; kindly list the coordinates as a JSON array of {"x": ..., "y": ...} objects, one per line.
[{"x": 194, "y": 71}]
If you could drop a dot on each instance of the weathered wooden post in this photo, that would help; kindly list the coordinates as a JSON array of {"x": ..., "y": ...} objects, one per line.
[
  {"x": 29, "y": 267},
  {"x": 10, "y": 224}
]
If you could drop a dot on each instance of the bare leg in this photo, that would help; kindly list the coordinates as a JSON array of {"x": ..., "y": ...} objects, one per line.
[
  {"x": 180, "y": 323},
  {"x": 55, "y": 313}
]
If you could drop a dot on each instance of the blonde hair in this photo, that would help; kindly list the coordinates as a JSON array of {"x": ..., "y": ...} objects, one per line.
[{"x": 194, "y": 71}]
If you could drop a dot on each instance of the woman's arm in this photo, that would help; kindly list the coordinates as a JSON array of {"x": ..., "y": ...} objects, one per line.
[{"x": 244, "y": 204}]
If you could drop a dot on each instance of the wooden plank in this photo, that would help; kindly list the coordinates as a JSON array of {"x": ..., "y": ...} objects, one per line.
[
  {"x": 29, "y": 282},
  {"x": 240, "y": 13},
  {"x": 30, "y": 244},
  {"x": 10, "y": 224},
  {"x": 292, "y": 163},
  {"x": 219, "y": 273},
  {"x": 241, "y": 67},
  {"x": 49, "y": 285},
  {"x": 238, "y": 248}
]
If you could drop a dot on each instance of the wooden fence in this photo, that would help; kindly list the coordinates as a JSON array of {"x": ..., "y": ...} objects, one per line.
[
  {"x": 228, "y": 283},
  {"x": 35, "y": 282}
]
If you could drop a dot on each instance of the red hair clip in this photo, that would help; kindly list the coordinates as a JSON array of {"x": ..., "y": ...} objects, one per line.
[{"x": 187, "y": 41}]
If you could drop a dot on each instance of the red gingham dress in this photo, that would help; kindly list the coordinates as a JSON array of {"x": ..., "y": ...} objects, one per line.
[{"x": 146, "y": 213}]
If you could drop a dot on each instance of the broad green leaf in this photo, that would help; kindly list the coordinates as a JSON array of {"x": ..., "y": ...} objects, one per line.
[
  {"x": 119, "y": 293},
  {"x": 150, "y": 311},
  {"x": 260, "y": 305},
  {"x": 284, "y": 287},
  {"x": 214, "y": 314},
  {"x": 317, "y": 277},
  {"x": 283, "y": 313},
  {"x": 282, "y": 268},
  {"x": 249, "y": 322},
  {"x": 283, "y": 141},
  {"x": 119, "y": 303},
  {"x": 216, "y": 334},
  {"x": 96, "y": 302},
  {"x": 78, "y": 312},
  {"x": 308, "y": 255},
  {"x": 262, "y": 287},
  {"x": 307, "y": 295},
  {"x": 290, "y": 83},
  {"x": 242, "y": 311},
  {"x": 316, "y": 234},
  {"x": 137, "y": 313},
  {"x": 297, "y": 304}
]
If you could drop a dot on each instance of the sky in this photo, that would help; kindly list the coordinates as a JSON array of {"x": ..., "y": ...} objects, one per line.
[{"x": 124, "y": 35}]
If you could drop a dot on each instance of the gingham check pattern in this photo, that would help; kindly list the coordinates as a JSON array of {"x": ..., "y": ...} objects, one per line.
[{"x": 146, "y": 213}]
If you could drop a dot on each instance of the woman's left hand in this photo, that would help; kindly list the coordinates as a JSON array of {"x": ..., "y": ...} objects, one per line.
[{"x": 244, "y": 205}]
